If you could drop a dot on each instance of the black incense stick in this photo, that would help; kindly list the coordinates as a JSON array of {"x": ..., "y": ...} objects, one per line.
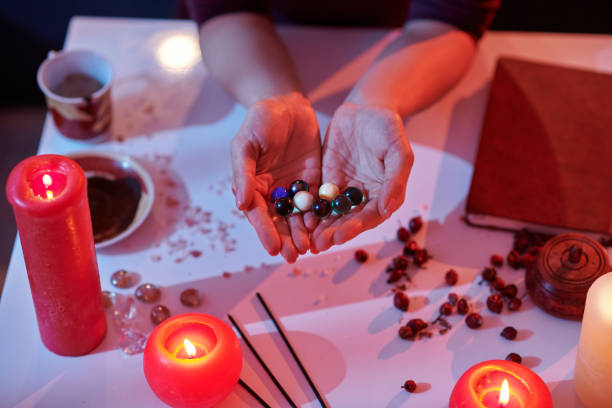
[
  {"x": 293, "y": 353},
  {"x": 253, "y": 393},
  {"x": 264, "y": 365}
]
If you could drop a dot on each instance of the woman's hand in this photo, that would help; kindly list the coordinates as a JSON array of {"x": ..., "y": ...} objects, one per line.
[
  {"x": 278, "y": 143},
  {"x": 365, "y": 147}
]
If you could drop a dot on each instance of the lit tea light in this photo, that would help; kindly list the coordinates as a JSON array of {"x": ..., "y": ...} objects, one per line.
[
  {"x": 504, "y": 394},
  {"x": 189, "y": 348}
]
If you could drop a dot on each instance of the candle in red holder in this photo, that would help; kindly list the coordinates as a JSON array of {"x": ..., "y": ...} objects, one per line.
[
  {"x": 49, "y": 198},
  {"x": 500, "y": 384},
  {"x": 192, "y": 360}
]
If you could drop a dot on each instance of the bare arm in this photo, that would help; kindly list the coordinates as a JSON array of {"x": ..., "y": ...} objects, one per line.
[
  {"x": 416, "y": 68},
  {"x": 244, "y": 54}
]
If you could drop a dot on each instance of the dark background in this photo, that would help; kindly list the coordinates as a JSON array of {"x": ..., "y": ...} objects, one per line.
[{"x": 29, "y": 28}]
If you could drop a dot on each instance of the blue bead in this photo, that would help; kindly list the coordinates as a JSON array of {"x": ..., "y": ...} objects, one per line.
[{"x": 278, "y": 192}]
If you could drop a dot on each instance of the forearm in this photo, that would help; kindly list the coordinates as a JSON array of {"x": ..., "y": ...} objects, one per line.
[
  {"x": 416, "y": 68},
  {"x": 243, "y": 53}
]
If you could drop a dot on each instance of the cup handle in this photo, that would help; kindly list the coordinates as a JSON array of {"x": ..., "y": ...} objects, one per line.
[{"x": 51, "y": 54}]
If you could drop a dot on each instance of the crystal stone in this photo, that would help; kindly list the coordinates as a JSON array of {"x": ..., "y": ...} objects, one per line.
[
  {"x": 121, "y": 279},
  {"x": 148, "y": 292},
  {"x": 132, "y": 341},
  {"x": 109, "y": 299},
  {"x": 159, "y": 313},
  {"x": 124, "y": 313},
  {"x": 190, "y": 297}
]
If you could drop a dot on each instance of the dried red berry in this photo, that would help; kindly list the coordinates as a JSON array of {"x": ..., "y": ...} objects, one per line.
[
  {"x": 446, "y": 309},
  {"x": 415, "y": 224},
  {"x": 509, "y": 333},
  {"x": 400, "y": 262},
  {"x": 417, "y": 325},
  {"x": 514, "y": 259},
  {"x": 421, "y": 256},
  {"x": 535, "y": 250},
  {"x": 510, "y": 291},
  {"x": 451, "y": 277},
  {"x": 498, "y": 284},
  {"x": 403, "y": 234},
  {"x": 497, "y": 260},
  {"x": 396, "y": 275},
  {"x": 489, "y": 274},
  {"x": 453, "y": 298},
  {"x": 409, "y": 386},
  {"x": 514, "y": 357},
  {"x": 462, "y": 306},
  {"x": 527, "y": 260},
  {"x": 401, "y": 301},
  {"x": 361, "y": 256},
  {"x": 521, "y": 242},
  {"x": 495, "y": 303},
  {"x": 514, "y": 304},
  {"x": 406, "y": 333},
  {"x": 410, "y": 248},
  {"x": 473, "y": 320}
]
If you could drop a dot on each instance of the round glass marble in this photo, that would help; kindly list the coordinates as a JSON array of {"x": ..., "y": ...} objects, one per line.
[
  {"x": 328, "y": 191},
  {"x": 296, "y": 186},
  {"x": 341, "y": 204},
  {"x": 322, "y": 208},
  {"x": 278, "y": 192},
  {"x": 159, "y": 313},
  {"x": 190, "y": 297},
  {"x": 109, "y": 299},
  {"x": 121, "y": 279},
  {"x": 354, "y": 194},
  {"x": 303, "y": 200},
  {"x": 148, "y": 293},
  {"x": 283, "y": 206}
]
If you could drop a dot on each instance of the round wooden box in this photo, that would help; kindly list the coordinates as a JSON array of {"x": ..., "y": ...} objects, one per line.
[{"x": 564, "y": 270}]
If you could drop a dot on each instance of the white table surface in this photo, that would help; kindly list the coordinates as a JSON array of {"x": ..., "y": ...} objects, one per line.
[{"x": 339, "y": 314}]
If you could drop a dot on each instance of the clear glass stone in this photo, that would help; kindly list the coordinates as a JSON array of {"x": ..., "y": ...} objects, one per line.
[
  {"x": 190, "y": 297},
  {"x": 159, "y": 313},
  {"x": 121, "y": 279},
  {"x": 132, "y": 341},
  {"x": 124, "y": 313},
  {"x": 109, "y": 299},
  {"x": 148, "y": 292}
]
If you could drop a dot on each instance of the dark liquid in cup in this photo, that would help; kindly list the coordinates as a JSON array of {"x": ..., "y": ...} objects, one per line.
[{"x": 77, "y": 85}]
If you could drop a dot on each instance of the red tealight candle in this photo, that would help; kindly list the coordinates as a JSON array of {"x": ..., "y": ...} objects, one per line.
[
  {"x": 49, "y": 198},
  {"x": 192, "y": 360},
  {"x": 500, "y": 384}
]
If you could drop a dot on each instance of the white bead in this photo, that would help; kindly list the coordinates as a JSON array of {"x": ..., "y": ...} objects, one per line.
[
  {"x": 329, "y": 191},
  {"x": 303, "y": 200}
]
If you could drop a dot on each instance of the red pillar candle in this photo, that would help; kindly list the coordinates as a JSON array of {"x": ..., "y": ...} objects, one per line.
[
  {"x": 192, "y": 360},
  {"x": 481, "y": 386},
  {"x": 49, "y": 198}
]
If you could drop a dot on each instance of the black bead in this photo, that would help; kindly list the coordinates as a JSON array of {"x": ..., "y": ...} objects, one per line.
[
  {"x": 354, "y": 194},
  {"x": 322, "y": 208},
  {"x": 342, "y": 204},
  {"x": 297, "y": 185},
  {"x": 283, "y": 206}
]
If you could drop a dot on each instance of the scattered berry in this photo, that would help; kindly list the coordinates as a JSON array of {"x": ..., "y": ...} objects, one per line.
[
  {"x": 510, "y": 291},
  {"x": 462, "y": 306},
  {"x": 400, "y": 262},
  {"x": 421, "y": 256},
  {"x": 406, "y": 333},
  {"x": 451, "y": 277},
  {"x": 514, "y": 357},
  {"x": 453, "y": 298},
  {"x": 489, "y": 274},
  {"x": 509, "y": 333},
  {"x": 396, "y": 275},
  {"x": 473, "y": 320},
  {"x": 411, "y": 248},
  {"x": 403, "y": 234},
  {"x": 497, "y": 260},
  {"x": 417, "y": 325},
  {"x": 527, "y": 260},
  {"x": 361, "y": 256},
  {"x": 514, "y": 259},
  {"x": 498, "y": 284},
  {"x": 495, "y": 303},
  {"x": 415, "y": 224},
  {"x": 446, "y": 309},
  {"x": 409, "y": 386},
  {"x": 514, "y": 304},
  {"x": 401, "y": 301}
]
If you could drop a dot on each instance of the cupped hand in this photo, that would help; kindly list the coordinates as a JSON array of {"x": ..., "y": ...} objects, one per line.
[
  {"x": 365, "y": 147},
  {"x": 278, "y": 142}
]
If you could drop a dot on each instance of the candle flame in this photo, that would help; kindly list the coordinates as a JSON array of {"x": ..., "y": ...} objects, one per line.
[
  {"x": 49, "y": 195},
  {"x": 504, "y": 394},
  {"x": 190, "y": 348},
  {"x": 47, "y": 180}
]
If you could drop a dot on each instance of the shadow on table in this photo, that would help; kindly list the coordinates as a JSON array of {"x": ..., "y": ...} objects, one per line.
[
  {"x": 145, "y": 104},
  {"x": 564, "y": 395}
]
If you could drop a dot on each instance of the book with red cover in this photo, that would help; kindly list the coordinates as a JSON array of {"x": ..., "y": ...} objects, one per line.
[{"x": 545, "y": 153}]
